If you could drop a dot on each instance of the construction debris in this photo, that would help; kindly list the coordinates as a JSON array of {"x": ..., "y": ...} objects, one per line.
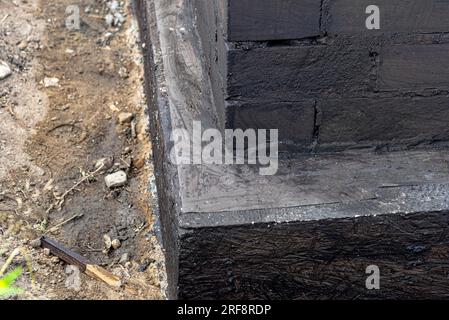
[{"x": 117, "y": 179}]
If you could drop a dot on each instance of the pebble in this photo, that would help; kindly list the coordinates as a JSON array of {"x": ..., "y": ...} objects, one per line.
[
  {"x": 23, "y": 45},
  {"x": 47, "y": 251},
  {"x": 51, "y": 82},
  {"x": 36, "y": 243},
  {"x": 113, "y": 5},
  {"x": 116, "y": 244},
  {"x": 107, "y": 242},
  {"x": 118, "y": 18},
  {"x": 117, "y": 179},
  {"x": 123, "y": 73},
  {"x": 125, "y": 117},
  {"x": 54, "y": 260},
  {"x": 109, "y": 19},
  {"x": 5, "y": 70}
]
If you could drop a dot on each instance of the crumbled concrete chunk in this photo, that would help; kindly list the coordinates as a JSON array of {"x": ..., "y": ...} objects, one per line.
[{"x": 117, "y": 179}]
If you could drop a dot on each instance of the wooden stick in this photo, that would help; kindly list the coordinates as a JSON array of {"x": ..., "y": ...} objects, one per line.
[
  {"x": 64, "y": 254},
  {"x": 61, "y": 200},
  {"x": 59, "y": 225},
  {"x": 103, "y": 275},
  {"x": 75, "y": 259},
  {"x": 11, "y": 257}
]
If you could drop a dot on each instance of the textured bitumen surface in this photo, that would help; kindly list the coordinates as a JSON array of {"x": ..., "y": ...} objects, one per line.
[
  {"x": 308, "y": 232},
  {"x": 334, "y": 84}
]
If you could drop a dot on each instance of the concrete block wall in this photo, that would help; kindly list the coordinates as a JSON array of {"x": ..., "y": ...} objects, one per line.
[{"x": 312, "y": 69}]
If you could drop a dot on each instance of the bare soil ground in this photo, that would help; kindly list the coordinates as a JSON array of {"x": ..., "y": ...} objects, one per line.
[{"x": 51, "y": 138}]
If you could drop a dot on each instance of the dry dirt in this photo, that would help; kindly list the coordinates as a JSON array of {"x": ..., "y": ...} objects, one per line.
[{"x": 52, "y": 137}]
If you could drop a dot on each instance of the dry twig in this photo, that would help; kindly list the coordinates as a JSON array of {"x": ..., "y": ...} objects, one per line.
[{"x": 60, "y": 201}]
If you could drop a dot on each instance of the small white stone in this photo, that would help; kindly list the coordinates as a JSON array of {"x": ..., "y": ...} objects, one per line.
[
  {"x": 117, "y": 179},
  {"x": 114, "y": 5},
  {"x": 116, "y": 244},
  {"x": 107, "y": 241},
  {"x": 5, "y": 70},
  {"x": 118, "y": 18},
  {"x": 54, "y": 260},
  {"x": 23, "y": 45},
  {"x": 51, "y": 82},
  {"x": 109, "y": 19}
]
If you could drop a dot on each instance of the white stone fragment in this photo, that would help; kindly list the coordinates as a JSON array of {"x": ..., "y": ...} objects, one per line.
[
  {"x": 51, "y": 82},
  {"x": 5, "y": 70},
  {"x": 117, "y": 179}
]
